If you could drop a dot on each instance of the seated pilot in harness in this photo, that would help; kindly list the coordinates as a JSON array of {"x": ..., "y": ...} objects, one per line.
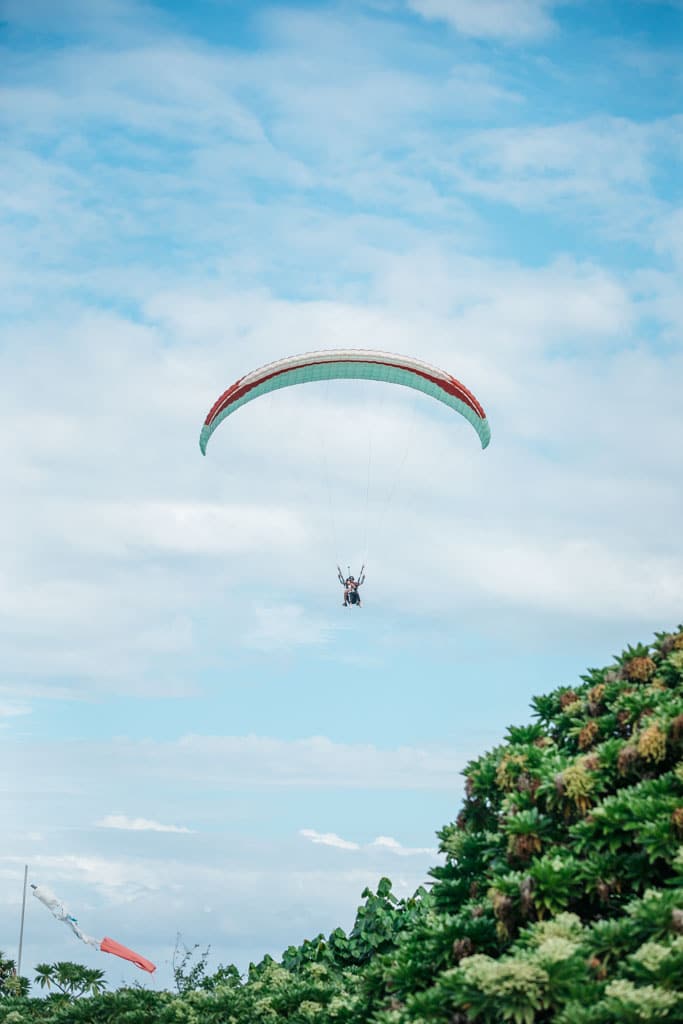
[{"x": 351, "y": 585}]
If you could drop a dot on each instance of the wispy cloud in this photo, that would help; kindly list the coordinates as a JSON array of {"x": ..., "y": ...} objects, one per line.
[
  {"x": 278, "y": 627},
  {"x": 513, "y": 21},
  {"x": 384, "y": 843},
  {"x": 328, "y": 839},
  {"x": 608, "y": 166},
  {"x": 227, "y": 763},
  {"x": 120, "y": 821},
  {"x": 393, "y": 846},
  {"x": 11, "y": 710}
]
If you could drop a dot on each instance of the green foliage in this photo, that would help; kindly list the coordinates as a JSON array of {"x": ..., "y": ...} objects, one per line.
[
  {"x": 10, "y": 984},
  {"x": 187, "y": 975},
  {"x": 557, "y": 882},
  {"x": 560, "y": 899},
  {"x": 69, "y": 979}
]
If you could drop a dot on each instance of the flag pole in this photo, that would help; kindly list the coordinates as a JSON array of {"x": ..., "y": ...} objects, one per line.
[{"x": 21, "y": 930}]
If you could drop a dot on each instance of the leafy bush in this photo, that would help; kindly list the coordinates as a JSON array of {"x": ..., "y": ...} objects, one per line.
[{"x": 560, "y": 899}]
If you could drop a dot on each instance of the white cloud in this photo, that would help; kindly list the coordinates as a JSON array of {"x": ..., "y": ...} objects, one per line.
[
  {"x": 601, "y": 166},
  {"x": 12, "y": 710},
  {"x": 509, "y": 20},
  {"x": 121, "y": 821},
  {"x": 278, "y": 627},
  {"x": 669, "y": 237},
  {"x": 118, "y": 528},
  {"x": 393, "y": 846},
  {"x": 328, "y": 839},
  {"x": 316, "y": 761},
  {"x": 386, "y": 844},
  {"x": 226, "y": 763},
  {"x": 122, "y": 881},
  {"x": 564, "y": 575},
  {"x": 115, "y": 552}
]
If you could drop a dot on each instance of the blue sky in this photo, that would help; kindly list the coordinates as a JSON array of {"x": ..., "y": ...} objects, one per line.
[{"x": 196, "y": 737}]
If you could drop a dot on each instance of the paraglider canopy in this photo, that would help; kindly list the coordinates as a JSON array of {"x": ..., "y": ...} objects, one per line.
[{"x": 340, "y": 364}]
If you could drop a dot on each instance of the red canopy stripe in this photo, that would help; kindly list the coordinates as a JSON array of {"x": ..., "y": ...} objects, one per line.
[{"x": 450, "y": 385}]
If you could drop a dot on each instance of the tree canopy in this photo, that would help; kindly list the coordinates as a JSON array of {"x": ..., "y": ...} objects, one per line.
[{"x": 560, "y": 899}]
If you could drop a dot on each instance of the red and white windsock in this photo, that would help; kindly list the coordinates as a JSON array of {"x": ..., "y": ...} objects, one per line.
[{"x": 59, "y": 910}]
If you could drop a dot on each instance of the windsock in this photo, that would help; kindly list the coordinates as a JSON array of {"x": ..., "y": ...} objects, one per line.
[{"x": 59, "y": 910}]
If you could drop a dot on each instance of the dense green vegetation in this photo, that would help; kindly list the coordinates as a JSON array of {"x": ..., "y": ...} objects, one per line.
[{"x": 561, "y": 898}]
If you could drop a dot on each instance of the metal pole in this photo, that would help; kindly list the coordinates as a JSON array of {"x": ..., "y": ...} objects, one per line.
[{"x": 21, "y": 930}]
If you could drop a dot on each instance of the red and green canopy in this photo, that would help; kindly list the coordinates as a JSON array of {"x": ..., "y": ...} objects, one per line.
[{"x": 348, "y": 364}]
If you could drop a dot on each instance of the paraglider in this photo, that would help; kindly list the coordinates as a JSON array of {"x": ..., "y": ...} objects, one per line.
[{"x": 348, "y": 364}]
